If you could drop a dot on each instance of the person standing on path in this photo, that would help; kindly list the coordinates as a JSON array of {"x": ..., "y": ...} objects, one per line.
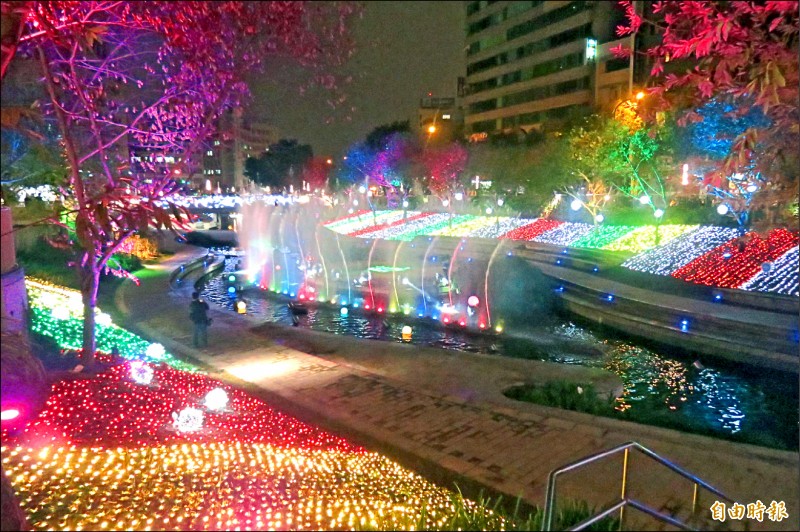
[{"x": 198, "y": 313}]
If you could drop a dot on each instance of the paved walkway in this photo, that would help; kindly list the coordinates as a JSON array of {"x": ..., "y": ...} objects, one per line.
[{"x": 447, "y": 418}]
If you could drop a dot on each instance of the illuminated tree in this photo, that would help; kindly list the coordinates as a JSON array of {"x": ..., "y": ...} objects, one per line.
[
  {"x": 154, "y": 75},
  {"x": 315, "y": 173},
  {"x": 635, "y": 162},
  {"x": 443, "y": 167},
  {"x": 741, "y": 55}
]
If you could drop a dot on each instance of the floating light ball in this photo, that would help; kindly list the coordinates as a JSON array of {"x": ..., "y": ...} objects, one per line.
[
  {"x": 344, "y": 311},
  {"x": 241, "y": 307},
  {"x": 459, "y": 196},
  {"x": 722, "y": 209},
  {"x": 576, "y": 205},
  {"x": 406, "y": 332},
  {"x": 9, "y": 414},
  {"x": 232, "y": 278},
  {"x": 362, "y": 189},
  {"x": 489, "y": 210},
  {"x": 102, "y": 319},
  {"x": 231, "y": 289},
  {"x": 445, "y": 202},
  {"x": 500, "y": 202},
  {"x": 658, "y": 213},
  {"x": 216, "y": 399},
  {"x": 405, "y": 204},
  {"x": 599, "y": 218},
  {"x": 141, "y": 372},
  {"x": 155, "y": 351},
  {"x": 644, "y": 200},
  {"x": 60, "y": 313},
  {"x": 189, "y": 419},
  {"x": 473, "y": 301}
]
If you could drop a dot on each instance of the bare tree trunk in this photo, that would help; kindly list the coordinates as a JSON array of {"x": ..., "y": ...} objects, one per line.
[{"x": 90, "y": 282}]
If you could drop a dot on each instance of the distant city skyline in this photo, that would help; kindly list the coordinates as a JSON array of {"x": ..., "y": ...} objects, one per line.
[{"x": 405, "y": 50}]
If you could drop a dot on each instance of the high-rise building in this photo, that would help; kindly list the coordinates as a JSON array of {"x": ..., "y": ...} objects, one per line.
[
  {"x": 236, "y": 140},
  {"x": 531, "y": 64},
  {"x": 439, "y": 120}
]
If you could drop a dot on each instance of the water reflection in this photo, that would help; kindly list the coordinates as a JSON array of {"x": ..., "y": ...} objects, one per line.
[{"x": 666, "y": 385}]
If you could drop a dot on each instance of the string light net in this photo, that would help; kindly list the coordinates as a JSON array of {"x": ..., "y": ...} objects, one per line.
[{"x": 104, "y": 455}]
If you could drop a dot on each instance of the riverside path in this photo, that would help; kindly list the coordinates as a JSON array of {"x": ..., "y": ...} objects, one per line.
[{"x": 443, "y": 413}]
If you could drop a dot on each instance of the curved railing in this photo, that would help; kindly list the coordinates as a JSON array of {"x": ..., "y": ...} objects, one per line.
[{"x": 619, "y": 506}]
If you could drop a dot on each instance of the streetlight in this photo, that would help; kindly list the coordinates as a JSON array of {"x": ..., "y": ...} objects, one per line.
[{"x": 431, "y": 129}]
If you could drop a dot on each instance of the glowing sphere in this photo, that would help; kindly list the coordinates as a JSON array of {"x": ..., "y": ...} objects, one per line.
[
  {"x": 232, "y": 278},
  {"x": 459, "y": 196},
  {"x": 488, "y": 210},
  {"x": 344, "y": 311},
  {"x": 141, "y": 372},
  {"x": 9, "y": 414},
  {"x": 103, "y": 319},
  {"x": 189, "y": 419},
  {"x": 473, "y": 301},
  {"x": 406, "y": 331},
  {"x": 752, "y": 187},
  {"x": 500, "y": 202},
  {"x": 362, "y": 189},
  {"x": 405, "y": 204},
  {"x": 60, "y": 313},
  {"x": 155, "y": 351},
  {"x": 216, "y": 399},
  {"x": 658, "y": 213},
  {"x": 445, "y": 202},
  {"x": 599, "y": 218},
  {"x": 241, "y": 307},
  {"x": 722, "y": 209},
  {"x": 576, "y": 205},
  {"x": 644, "y": 200}
]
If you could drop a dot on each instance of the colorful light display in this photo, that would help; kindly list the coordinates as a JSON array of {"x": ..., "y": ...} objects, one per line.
[
  {"x": 677, "y": 245},
  {"x": 781, "y": 278},
  {"x": 602, "y": 235},
  {"x": 103, "y": 455},
  {"x": 410, "y": 216},
  {"x": 66, "y": 328},
  {"x": 502, "y": 226},
  {"x": 644, "y": 238},
  {"x": 564, "y": 234},
  {"x": 532, "y": 230},
  {"x": 740, "y": 266},
  {"x": 680, "y": 251}
]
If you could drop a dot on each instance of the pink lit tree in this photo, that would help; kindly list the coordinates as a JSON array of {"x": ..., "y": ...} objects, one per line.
[
  {"x": 155, "y": 75},
  {"x": 443, "y": 168}
]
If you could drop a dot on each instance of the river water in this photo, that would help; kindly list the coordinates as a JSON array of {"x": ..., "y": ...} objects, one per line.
[{"x": 664, "y": 385}]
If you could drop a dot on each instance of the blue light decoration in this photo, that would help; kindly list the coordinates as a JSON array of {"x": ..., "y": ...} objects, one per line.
[
  {"x": 595, "y": 269},
  {"x": 609, "y": 297},
  {"x": 559, "y": 288},
  {"x": 558, "y": 262},
  {"x": 232, "y": 278},
  {"x": 684, "y": 325},
  {"x": 231, "y": 289},
  {"x": 717, "y": 298},
  {"x": 509, "y": 254}
]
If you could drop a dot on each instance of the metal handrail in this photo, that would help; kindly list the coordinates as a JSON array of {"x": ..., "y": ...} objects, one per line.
[{"x": 550, "y": 497}]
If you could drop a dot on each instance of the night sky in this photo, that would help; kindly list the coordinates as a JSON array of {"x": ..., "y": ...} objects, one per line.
[{"x": 404, "y": 50}]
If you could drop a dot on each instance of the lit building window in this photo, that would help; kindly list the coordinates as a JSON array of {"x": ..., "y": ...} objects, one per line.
[
  {"x": 445, "y": 117},
  {"x": 216, "y": 143},
  {"x": 218, "y": 171},
  {"x": 210, "y": 153}
]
